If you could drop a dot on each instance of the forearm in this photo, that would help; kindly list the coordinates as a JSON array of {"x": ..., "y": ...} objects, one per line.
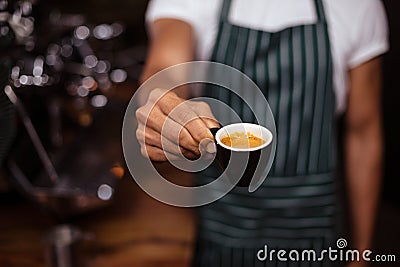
[
  {"x": 363, "y": 148},
  {"x": 172, "y": 42},
  {"x": 363, "y": 169}
]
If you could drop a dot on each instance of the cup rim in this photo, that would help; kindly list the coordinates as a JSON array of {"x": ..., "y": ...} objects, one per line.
[{"x": 265, "y": 144}]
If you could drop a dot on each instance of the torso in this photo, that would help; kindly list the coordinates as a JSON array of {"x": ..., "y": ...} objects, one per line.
[{"x": 346, "y": 19}]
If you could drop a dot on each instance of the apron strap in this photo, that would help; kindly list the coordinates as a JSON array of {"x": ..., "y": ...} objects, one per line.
[
  {"x": 226, "y": 7},
  {"x": 319, "y": 8}
]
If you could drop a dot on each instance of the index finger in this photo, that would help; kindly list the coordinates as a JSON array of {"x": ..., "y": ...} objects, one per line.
[{"x": 179, "y": 110}]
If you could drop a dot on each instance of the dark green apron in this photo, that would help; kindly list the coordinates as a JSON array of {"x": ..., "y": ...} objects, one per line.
[{"x": 295, "y": 207}]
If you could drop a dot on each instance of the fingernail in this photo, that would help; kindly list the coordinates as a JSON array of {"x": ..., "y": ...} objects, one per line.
[
  {"x": 208, "y": 146},
  {"x": 211, "y": 148}
]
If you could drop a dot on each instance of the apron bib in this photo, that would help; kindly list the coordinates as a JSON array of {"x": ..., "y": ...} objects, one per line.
[{"x": 295, "y": 207}]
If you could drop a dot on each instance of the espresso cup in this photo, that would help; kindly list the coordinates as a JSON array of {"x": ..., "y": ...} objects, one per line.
[{"x": 241, "y": 164}]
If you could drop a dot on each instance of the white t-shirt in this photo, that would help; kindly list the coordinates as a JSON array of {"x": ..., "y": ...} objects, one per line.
[{"x": 357, "y": 28}]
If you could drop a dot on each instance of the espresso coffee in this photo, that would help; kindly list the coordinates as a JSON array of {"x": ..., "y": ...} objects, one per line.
[
  {"x": 243, "y": 147},
  {"x": 242, "y": 140}
]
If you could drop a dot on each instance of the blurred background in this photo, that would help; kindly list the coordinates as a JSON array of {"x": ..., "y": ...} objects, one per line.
[{"x": 69, "y": 69}]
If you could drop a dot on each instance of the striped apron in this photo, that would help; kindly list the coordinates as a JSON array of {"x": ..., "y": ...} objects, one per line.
[{"x": 295, "y": 207}]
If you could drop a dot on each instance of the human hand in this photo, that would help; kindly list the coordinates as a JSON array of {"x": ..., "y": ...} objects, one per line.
[{"x": 170, "y": 125}]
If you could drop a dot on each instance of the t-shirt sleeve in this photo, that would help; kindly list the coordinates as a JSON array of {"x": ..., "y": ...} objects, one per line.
[{"x": 369, "y": 34}]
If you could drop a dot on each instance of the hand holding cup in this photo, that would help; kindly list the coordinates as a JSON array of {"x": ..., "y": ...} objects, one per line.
[{"x": 168, "y": 124}]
